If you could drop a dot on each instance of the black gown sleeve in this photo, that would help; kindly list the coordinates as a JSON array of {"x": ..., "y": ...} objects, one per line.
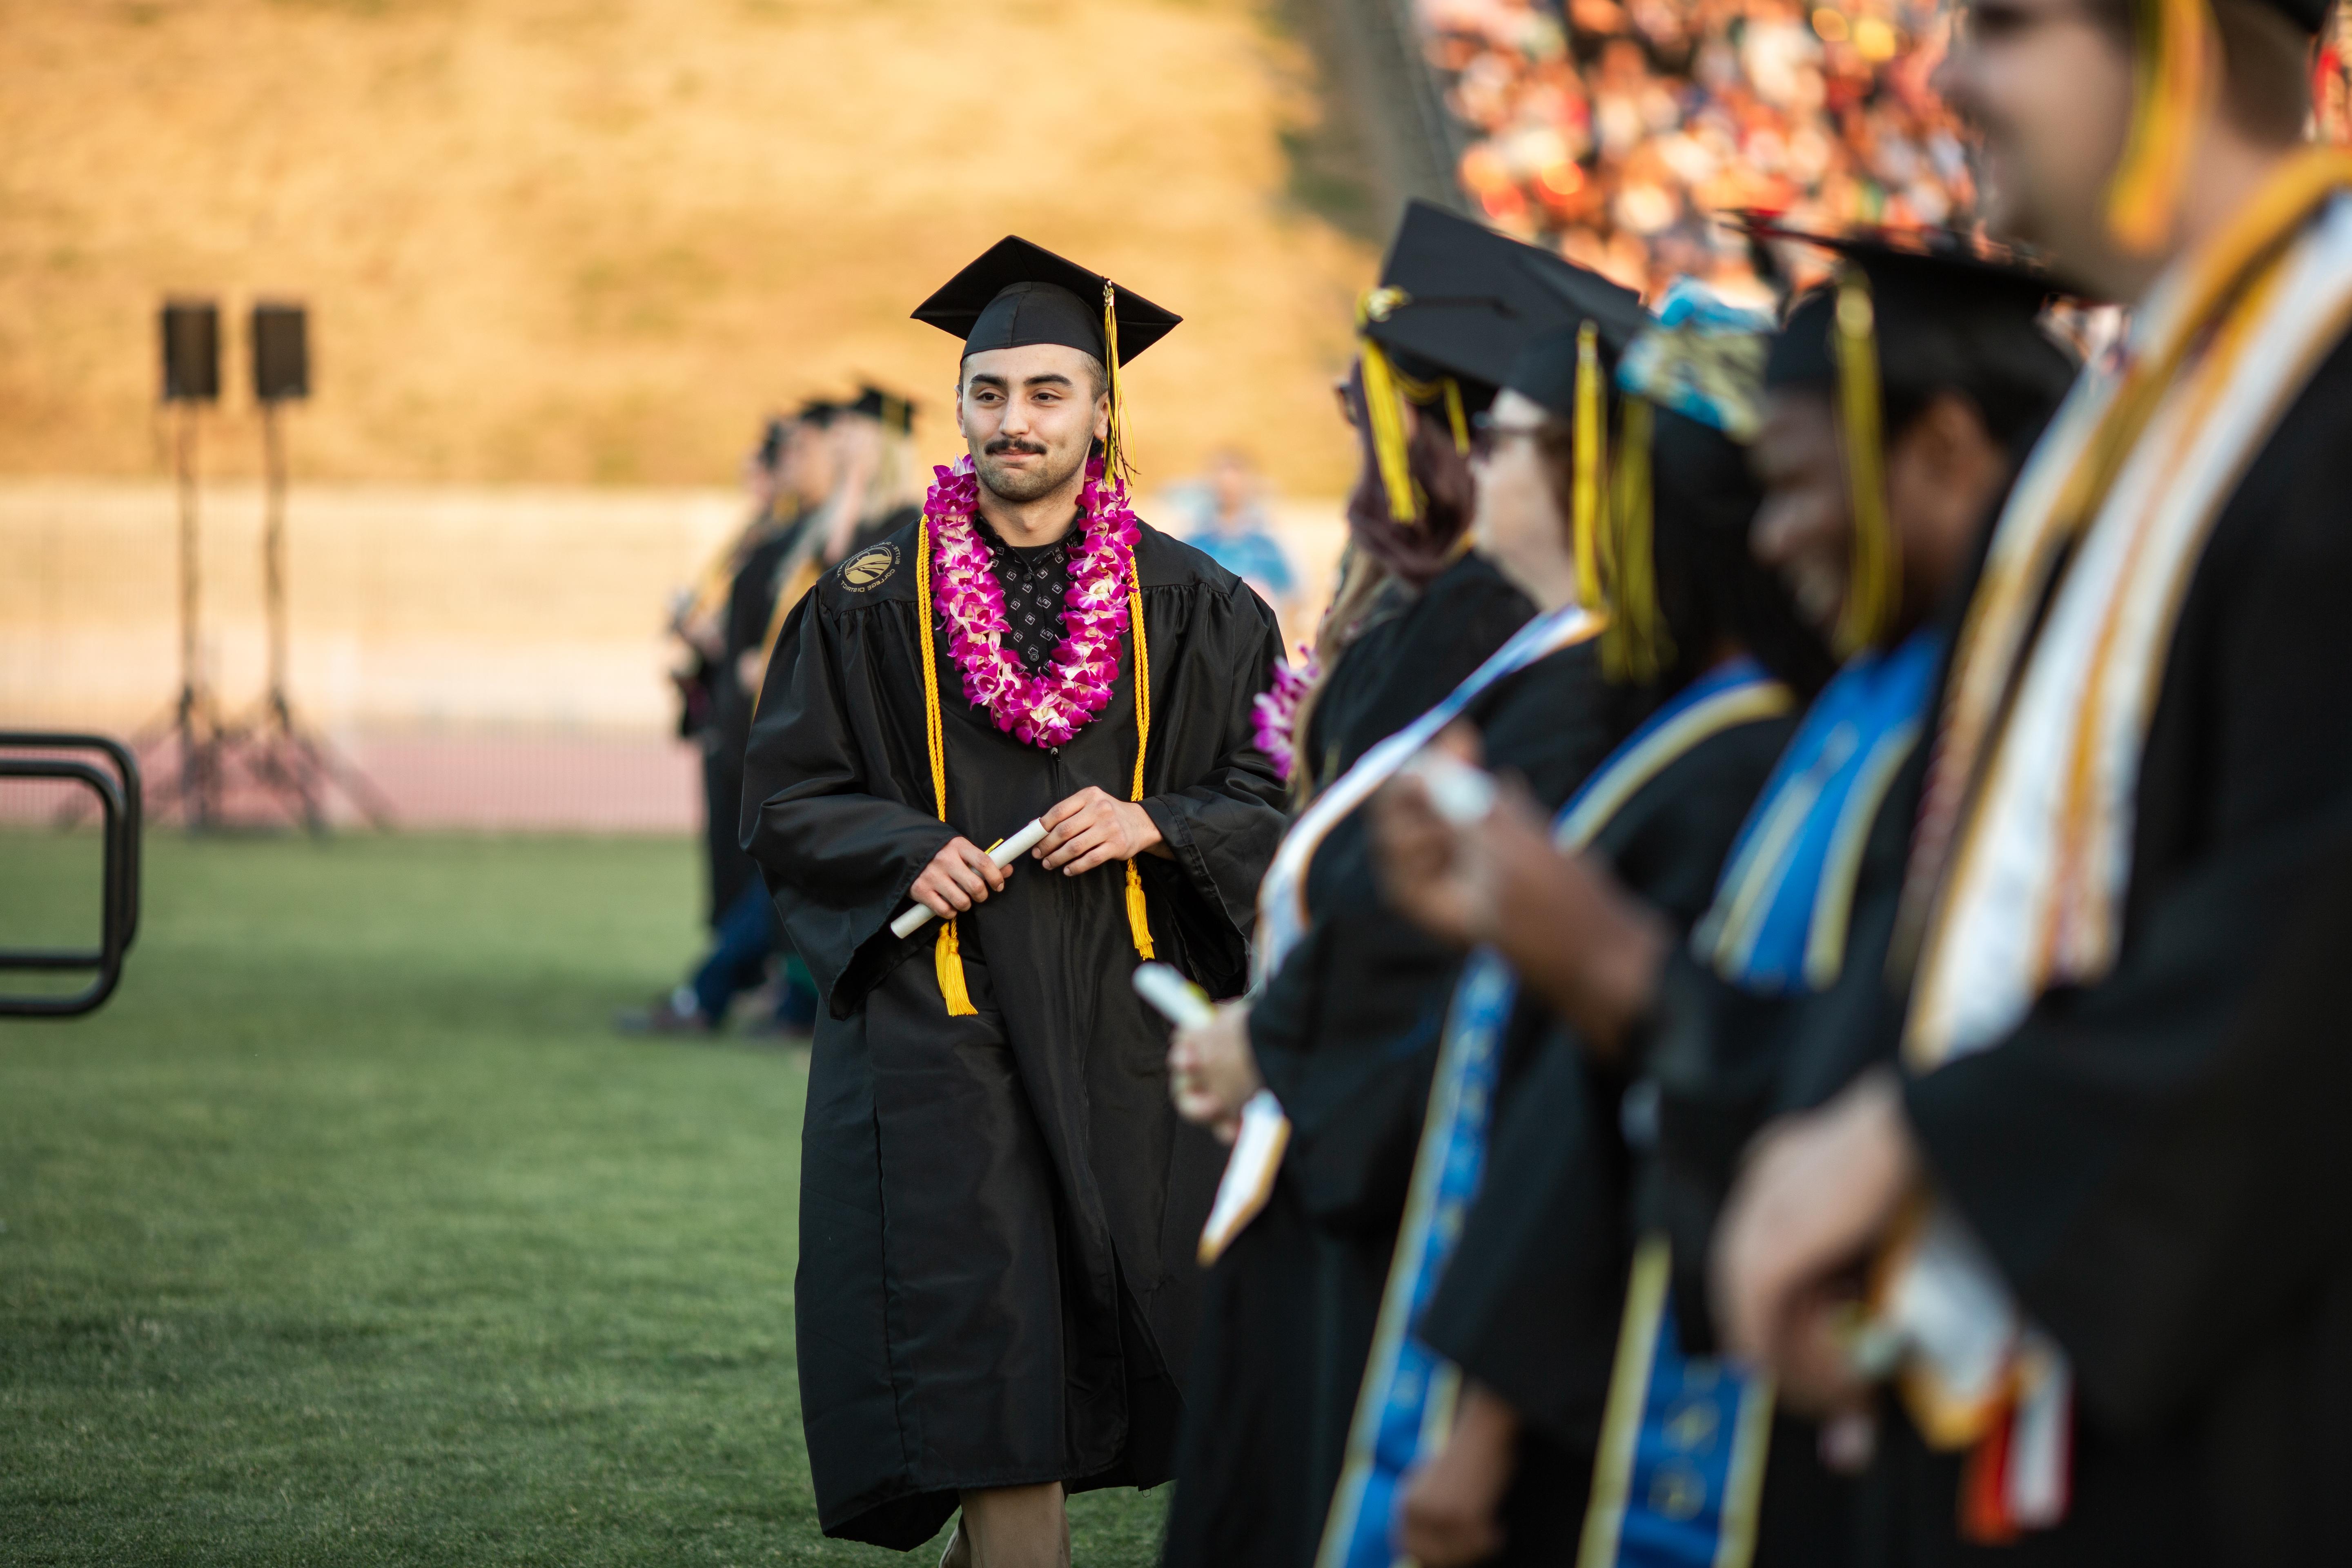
[
  {"x": 2243, "y": 788},
  {"x": 839, "y": 857}
]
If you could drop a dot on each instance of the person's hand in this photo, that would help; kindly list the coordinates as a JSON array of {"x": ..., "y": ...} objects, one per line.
[
  {"x": 1093, "y": 828},
  {"x": 1433, "y": 872},
  {"x": 1446, "y": 1517},
  {"x": 1818, "y": 1192},
  {"x": 959, "y": 876},
  {"x": 1212, "y": 1072}
]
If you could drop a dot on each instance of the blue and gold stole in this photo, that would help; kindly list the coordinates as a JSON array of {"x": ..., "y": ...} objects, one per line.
[
  {"x": 1405, "y": 1406},
  {"x": 1681, "y": 1466}
]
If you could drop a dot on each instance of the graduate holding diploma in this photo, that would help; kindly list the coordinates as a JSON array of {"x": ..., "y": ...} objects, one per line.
[{"x": 1027, "y": 651}]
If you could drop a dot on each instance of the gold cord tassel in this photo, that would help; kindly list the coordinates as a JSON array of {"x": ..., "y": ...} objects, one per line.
[
  {"x": 1384, "y": 407},
  {"x": 1875, "y": 582},
  {"x": 947, "y": 952},
  {"x": 1455, "y": 418},
  {"x": 1586, "y": 508},
  {"x": 1635, "y": 645},
  {"x": 1138, "y": 914},
  {"x": 1115, "y": 464},
  {"x": 2169, "y": 69}
]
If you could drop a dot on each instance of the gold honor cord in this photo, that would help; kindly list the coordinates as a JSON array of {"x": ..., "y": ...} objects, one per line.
[
  {"x": 2169, "y": 66},
  {"x": 1138, "y": 915},
  {"x": 946, "y": 952},
  {"x": 1874, "y": 581},
  {"x": 1591, "y": 455},
  {"x": 1635, "y": 645}
]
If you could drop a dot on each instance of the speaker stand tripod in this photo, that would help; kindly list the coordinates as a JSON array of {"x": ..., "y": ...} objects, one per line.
[{"x": 298, "y": 770}]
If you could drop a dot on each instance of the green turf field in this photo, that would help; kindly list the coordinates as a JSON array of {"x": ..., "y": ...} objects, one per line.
[{"x": 350, "y": 1233}]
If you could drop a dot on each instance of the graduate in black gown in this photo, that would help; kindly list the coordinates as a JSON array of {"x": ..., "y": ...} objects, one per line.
[
  {"x": 1021, "y": 1324},
  {"x": 1707, "y": 1033},
  {"x": 2158, "y": 626},
  {"x": 1342, "y": 1025}
]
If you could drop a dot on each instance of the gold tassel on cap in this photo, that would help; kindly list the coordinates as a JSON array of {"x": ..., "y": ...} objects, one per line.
[
  {"x": 1634, "y": 645},
  {"x": 1585, "y": 510},
  {"x": 2169, "y": 66},
  {"x": 1875, "y": 583},
  {"x": 1114, "y": 463},
  {"x": 1384, "y": 407}
]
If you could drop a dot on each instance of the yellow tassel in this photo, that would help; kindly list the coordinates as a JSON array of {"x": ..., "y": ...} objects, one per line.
[
  {"x": 2169, "y": 67},
  {"x": 1139, "y": 917},
  {"x": 1635, "y": 645},
  {"x": 1114, "y": 466},
  {"x": 946, "y": 957},
  {"x": 1454, "y": 417},
  {"x": 947, "y": 954},
  {"x": 1586, "y": 510},
  {"x": 1875, "y": 583},
  {"x": 1384, "y": 407}
]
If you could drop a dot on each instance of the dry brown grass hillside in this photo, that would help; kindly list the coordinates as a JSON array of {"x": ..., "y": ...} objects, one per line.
[{"x": 592, "y": 240}]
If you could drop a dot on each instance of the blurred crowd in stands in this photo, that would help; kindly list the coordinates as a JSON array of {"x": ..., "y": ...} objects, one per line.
[{"x": 1613, "y": 129}]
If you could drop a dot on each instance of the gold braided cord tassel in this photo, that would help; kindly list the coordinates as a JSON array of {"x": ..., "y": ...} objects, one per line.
[
  {"x": 1585, "y": 510},
  {"x": 1875, "y": 582},
  {"x": 1385, "y": 407},
  {"x": 1635, "y": 645},
  {"x": 1455, "y": 418},
  {"x": 946, "y": 952},
  {"x": 1138, "y": 914},
  {"x": 2169, "y": 66},
  {"x": 1115, "y": 467}
]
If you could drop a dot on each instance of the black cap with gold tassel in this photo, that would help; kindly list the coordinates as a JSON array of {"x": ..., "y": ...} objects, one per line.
[{"x": 1018, "y": 294}]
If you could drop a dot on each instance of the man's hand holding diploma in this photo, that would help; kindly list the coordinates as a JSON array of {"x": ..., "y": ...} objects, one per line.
[
  {"x": 959, "y": 876},
  {"x": 1093, "y": 828}
]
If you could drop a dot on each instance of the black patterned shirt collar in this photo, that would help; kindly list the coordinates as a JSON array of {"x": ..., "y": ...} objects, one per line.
[{"x": 1036, "y": 585}]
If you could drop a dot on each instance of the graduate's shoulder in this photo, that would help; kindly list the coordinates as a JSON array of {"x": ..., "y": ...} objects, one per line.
[{"x": 880, "y": 572}]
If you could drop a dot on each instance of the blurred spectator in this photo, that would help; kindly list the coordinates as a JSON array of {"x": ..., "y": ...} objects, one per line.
[
  {"x": 1229, "y": 525},
  {"x": 1615, "y": 129}
]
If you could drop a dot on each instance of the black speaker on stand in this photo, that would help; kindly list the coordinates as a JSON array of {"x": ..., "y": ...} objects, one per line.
[
  {"x": 297, "y": 767},
  {"x": 191, "y": 341}
]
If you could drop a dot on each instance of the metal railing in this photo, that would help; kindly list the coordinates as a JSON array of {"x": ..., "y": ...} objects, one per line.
[{"x": 69, "y": 759}]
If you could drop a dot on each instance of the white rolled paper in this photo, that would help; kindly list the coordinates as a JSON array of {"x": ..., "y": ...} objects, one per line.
[
  {"x": 1004, "y": 853},
  {"x": 1180, "y": 1001}
]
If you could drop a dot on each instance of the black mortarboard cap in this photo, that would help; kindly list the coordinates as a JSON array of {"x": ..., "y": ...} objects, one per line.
[
  {"x": 818, "y": 411},
  {"x": 1473, "y": 299},
  {"x": 1938, "y": 300},
  {"x": 1018, "y": 294},
  {"x": 887, "y": 408}
]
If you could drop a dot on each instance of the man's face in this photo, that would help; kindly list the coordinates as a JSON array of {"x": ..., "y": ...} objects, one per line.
[
  {"x": 1518, "y": 524},
  {"x": 1804, "y": 529},
  {"x": 2049, "y": 89},
  {"x": 1029, "y": 416}
]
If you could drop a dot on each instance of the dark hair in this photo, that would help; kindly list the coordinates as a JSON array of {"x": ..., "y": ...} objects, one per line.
[
  {"x": 1710, "y": 588},
  {"x": 1418, "y": 551}
]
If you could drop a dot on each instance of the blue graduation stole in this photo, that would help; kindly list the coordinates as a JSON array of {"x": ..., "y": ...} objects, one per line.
[
  {"x": 1683, "y": 1443},
  {"x": 1405, "y": 1406}
]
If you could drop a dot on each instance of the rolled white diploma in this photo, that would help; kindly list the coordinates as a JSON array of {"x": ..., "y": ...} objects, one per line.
[
  {"x": 1180, "y": 1001},
  {"x": 1459, "y": 793},
  {"x": 1004, "y": 853}
]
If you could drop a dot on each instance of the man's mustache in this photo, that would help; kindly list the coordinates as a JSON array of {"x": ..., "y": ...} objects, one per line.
[{"x": 1010, "y": 444}]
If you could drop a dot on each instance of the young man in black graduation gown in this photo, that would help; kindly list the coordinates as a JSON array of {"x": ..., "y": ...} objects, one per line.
[
  {"x": 1344, "y": 1029},
  {"x": 2026, "y": 1119},
  {"x": 1532, "y": 1302},
  {"x": 996, "y": 1289}
]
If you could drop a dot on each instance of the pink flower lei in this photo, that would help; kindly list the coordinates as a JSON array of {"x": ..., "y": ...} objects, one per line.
[
  {"x": 1274, "y": 711},
  {"x": 1049, "y": 708}
]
